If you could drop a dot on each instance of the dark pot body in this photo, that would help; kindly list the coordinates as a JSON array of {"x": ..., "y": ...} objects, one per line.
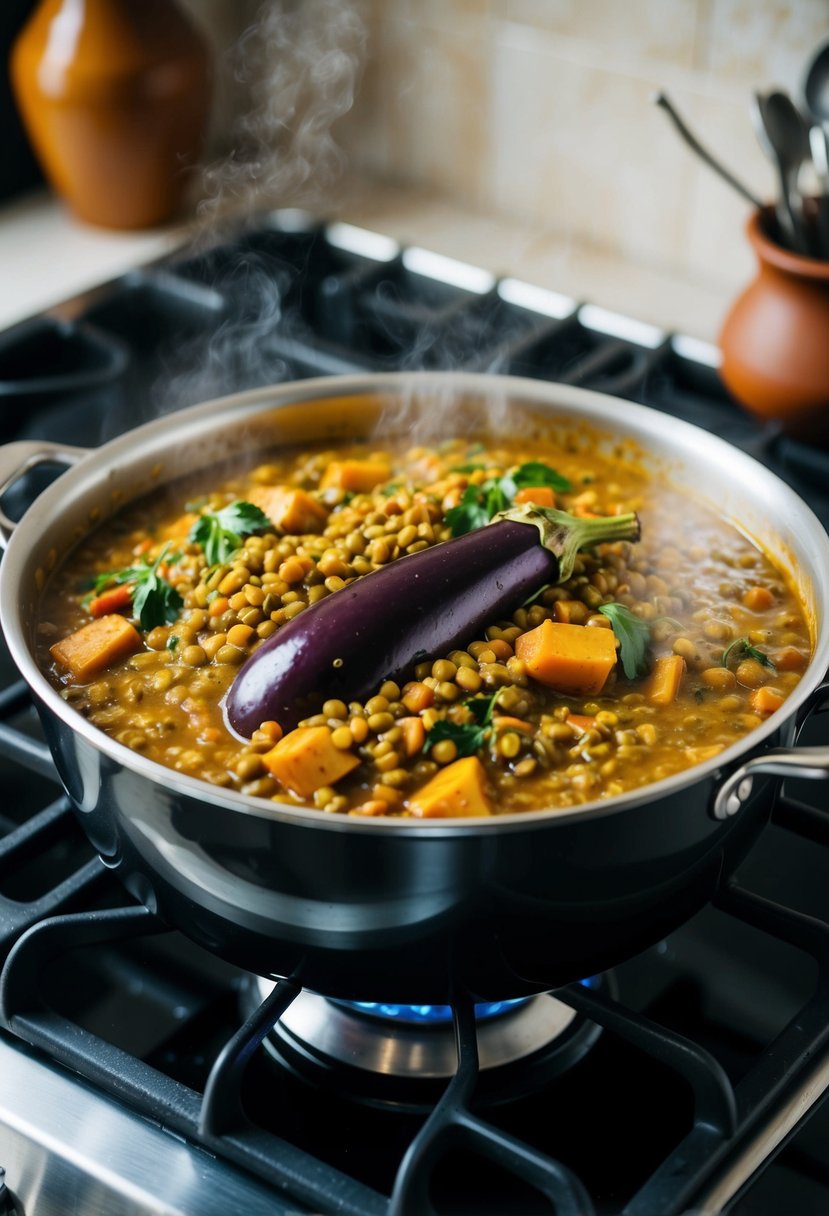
[{"x": 402, "y": 916}]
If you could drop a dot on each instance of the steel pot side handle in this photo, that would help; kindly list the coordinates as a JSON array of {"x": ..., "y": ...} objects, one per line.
[
  {"x": 16, "y": 459},
  {"x": 807, "y": 762}
]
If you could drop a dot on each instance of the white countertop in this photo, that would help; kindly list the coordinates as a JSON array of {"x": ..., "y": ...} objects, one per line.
[{"x": 46, "y": 257}]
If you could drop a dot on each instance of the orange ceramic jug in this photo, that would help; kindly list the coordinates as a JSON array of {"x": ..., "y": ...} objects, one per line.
[
  {"x": 775, "y": 339},
  {"x": 115, "y": 96}
]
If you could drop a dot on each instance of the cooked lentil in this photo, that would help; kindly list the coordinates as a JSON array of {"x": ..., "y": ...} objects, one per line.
[{"x": 696, "y": 581}]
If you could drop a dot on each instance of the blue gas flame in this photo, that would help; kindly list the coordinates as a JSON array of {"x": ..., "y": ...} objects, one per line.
[{"x": 420, "y": 1015}]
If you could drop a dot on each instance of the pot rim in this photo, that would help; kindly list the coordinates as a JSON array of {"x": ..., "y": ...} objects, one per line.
[{"x": 637, "y": 421}]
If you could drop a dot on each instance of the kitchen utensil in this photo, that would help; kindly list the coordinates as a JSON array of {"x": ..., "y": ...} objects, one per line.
[
  {"x": 815, "y": 88},
  {"x": 784, "y": 138},
  {"x": 660, "y": 99},
  {"x": 815, "y": 94},
  {"x": 773, "y": 339},
  {"x": 819, "y": 145},
  {"x": 404, "y": 910}
]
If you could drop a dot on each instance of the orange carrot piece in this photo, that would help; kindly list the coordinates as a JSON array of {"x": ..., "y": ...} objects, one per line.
[
  {"x": 765, "y": 700},
  {"x": 540, "y": 496},
  {"x": 290, "y": 509},
  {"x": 456, "y": 791},
  {"x": 417, "y": 696},
  {"x": 505, "y": 722},
  {"x": 758, "y": 599},
  {"x": 414, "y": 734},
  {"x": 665, "y": 679},
  {"x": 581, "y": 722},
  {"x": 116, "y": 599},
  {"x": 358, "y": 476},
  {"x": 305, "y": 760},
  {"x": 570, "y": 658},
  {"x": 96, "y": 646}
]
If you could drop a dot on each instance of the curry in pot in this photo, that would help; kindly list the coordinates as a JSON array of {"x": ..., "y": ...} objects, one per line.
[{"x": 648, "y": 658}]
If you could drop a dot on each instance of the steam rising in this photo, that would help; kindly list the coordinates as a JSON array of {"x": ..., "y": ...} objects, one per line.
[{"x": 299, "y": 64}]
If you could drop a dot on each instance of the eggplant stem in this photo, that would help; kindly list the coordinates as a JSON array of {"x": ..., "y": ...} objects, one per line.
[{"x": 564, "y": 534}]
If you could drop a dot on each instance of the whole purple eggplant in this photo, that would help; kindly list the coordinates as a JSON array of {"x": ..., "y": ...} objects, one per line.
[{"x": 380, "y": 626}]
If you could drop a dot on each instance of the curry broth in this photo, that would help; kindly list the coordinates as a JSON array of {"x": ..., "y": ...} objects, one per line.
[{"x": 718, "y": 616}]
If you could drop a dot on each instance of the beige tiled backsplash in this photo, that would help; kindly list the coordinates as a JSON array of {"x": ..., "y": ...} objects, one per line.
[{"x": 540, "y": 111}]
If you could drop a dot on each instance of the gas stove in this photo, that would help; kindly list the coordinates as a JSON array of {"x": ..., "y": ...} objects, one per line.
[{"x": 138, "y": 1073}]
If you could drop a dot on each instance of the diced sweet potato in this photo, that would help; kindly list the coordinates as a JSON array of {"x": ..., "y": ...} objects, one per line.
[
  {"x": 417, "y": 696},
  {"x": 414, "y": 734},
  {"x": 456, "y": 791},
  {"x": 290, "y": 509},
  {"x": 665, "y": 679},
  {"x": 305, "y": 760},
  {"x": 180, "y": 528},
  {"x": 765, "y": 700},
  {"x": 570, "y": 658},
  {"x": 96, "y": 646},
  {"x": 539, "y": 496},
  {"x": 358, "y": 476}
]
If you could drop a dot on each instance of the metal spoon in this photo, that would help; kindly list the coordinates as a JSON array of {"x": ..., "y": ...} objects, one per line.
[
  {"x": 784, "y": 137},
  {"x": 819, "y": 143},
  {"x": 815, "y": 91},
  {"x": 660, "y": 99},
  {"x": 815, "y": 87}
]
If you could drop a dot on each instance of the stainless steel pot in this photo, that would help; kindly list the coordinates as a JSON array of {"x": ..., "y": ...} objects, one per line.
[{"x": 404, "y": 910}]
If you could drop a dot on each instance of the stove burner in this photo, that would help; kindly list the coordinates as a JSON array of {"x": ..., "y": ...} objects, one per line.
[{"x": 402, "y": 1056}]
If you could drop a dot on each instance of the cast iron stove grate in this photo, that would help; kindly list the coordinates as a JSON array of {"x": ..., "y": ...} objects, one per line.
[{"x": 97, "y": 986}]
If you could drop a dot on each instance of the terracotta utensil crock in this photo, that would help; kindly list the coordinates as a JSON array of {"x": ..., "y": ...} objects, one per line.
[
  {"x": 775, "y": 338},
  {"x": 114, "y": 95}
]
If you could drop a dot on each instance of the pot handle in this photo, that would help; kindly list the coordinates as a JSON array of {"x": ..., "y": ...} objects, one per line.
[
  {"x": 16, "y": 459},
  {"x": 780, "y": 761}
]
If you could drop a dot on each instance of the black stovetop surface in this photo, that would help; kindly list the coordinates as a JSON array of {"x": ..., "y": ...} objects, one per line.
[{"x": 146, "y": 1016}]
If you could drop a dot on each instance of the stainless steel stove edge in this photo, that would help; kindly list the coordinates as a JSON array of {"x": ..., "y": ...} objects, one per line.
[{"x": 67, "y": 1148}]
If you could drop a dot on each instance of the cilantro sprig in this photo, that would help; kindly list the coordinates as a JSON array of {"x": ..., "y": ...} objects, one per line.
[
  {"x": 154, "y": 601},
  {"x": 742, "y": 646},
  {"x": 468, "y": 737},
  {"x": 634, "y": 636},
  {"x": 220, "y": 533},
  {"x": 480, "y": 502}
]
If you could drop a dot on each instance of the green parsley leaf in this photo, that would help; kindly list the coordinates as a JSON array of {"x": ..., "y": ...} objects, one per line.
[
  {"x": 742, "y": 646},
  {"x": 468, "y": 737},
  {"x": 634, "y": 636},
  {"x": 172, "y": 642},
  {"x": 480, "y": 502},
  {"x": 154, "y": 600},
  {"x": 220, "y": 533},
  {"x": 469, "y": 514},
  {"x": 535, "y": 473}
]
